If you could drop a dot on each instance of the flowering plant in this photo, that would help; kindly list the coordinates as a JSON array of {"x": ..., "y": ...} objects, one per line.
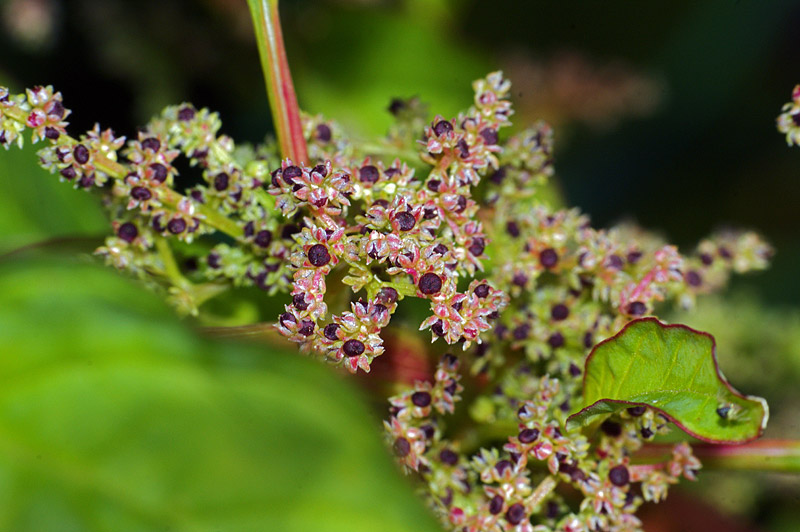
[{"x": 541, "y": 323}]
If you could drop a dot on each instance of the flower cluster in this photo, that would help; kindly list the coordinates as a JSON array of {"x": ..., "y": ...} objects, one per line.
[{"x": 789, "y": 119}]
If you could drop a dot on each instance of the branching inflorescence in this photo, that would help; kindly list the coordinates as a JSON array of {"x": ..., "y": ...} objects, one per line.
[{"x": 426, "y": 213}]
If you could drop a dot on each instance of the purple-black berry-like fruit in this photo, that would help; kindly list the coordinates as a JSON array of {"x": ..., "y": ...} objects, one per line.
[
  {"x": 489, "y": 136},
  {"x": 477, "y": 246},
  {"x": 176, "y": 226},
  {"x": 461, "y": 203},
  {"x": 69, "y": 172},
  {"x": 433, "y": 185},
  {"x": 556, "y": 340},
  {"x": 306, "y": 328},
  {"x": 448, "y": 457},
  {"x": 442, "y": 126},
  {"x": 438, "y": 328},
  {"x": 548, "y": 258},
  {"x": 141, "y": 193},
  {"x": 401, "y": 447},
  {"x": 127, "y": 232},
  {"x": 151, "y": 143},
  {"x": 637, "y": 411},
  {"x": 318, "y": 255},
  {"x": 615, "y": 262},
  {"x": 611, "y": 428},
  {"x": 463, "y": 148},
  {"x": 636, "y": 308},
  {"x": 263, "y": 238},
  {"x": 81, "y": 154},
  {"x": 353, "y": 348},
  {"x": 287, "y": 317},
  {"x": 330, "y": 331},
  {"x": 51, "y": 133},
  {"x": 528, "y": 435},
  {"x": 221, "y": 181},
  {"x": 693, "y": 278},
  {"x": 421, "y": 399},
  {"x": 619, "y": 476},
  {"x": 512, "y": 229},
  {"x": 501, "y": 466},
  {"x": 368, "y": 174},
  {"x": 574, "y": 370},
  {"x": 430, "y": 284},
  {"x": 496, "y": 505},
  {"x": 387, "y": 295},
  {"x": 482, "y": 290},
  {"x": 290, "y": 173},
  {"x": 213, "y": 260},
  {"x": 323, "y": 133},
  {"x": 159, "y": 172},
  {"x": 405, "y": 221},
  {"x": 559, "y": 312},
  {"x": 299, "y": 302},
  {"x": 185, "y": 114},
  {"x": 515, "y": 514},
  {"x": 321, "y": 169}
]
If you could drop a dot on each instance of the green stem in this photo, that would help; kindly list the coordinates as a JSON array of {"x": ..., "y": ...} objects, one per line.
[
  {"x": 763, "y": 455},
  {"x": 280, "y": 89},
  {"x": 171, "y": 269}
]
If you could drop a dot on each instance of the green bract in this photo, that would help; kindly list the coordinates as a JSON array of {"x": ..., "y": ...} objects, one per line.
[
  {"x": 673, "y": 369},
  {"x": 113, "y": 417}
]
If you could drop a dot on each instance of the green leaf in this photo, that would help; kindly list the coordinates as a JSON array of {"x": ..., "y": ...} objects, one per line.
[
  {"x": 673, "y": 369},
  {"x": 115, "y": 417}
]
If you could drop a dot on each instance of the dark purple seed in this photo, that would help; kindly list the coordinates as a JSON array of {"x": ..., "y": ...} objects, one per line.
[
  {"x": 51, "y": 133},
  {"x": 496, "y": 505},
  {"x": 521, "y": 331},
  {"x": 299, "y": 302},
  {"x": 611, "y": 428},
  {"x": 396, "y": 105},
  {"x": 442, "y": 126},
  {"x": 86, "y": 181},
  {"x": 69, "y": 172},
  {"x": 428, "y": 431},
  {"x": 451, "y": 388},
  {"x": 263, "y": 238},
  {"x": 151, "y": 143},
  {"x": 646, "y": 433},
  {"x": 274, "y": 178},
  {"x": 441, "y": 249},
  {"x": 556, "y": 340},
  {"x": 706, "y": 259},
  {"x": 461, "y": 203},
  {"x": 306, "y": 328},
  {"x": 321, "y": 169},
  {"x": 515, "y": 514},
  {"x": 463, "y": 148},
  {"x": 286, "y": 318},
  {"x": 501, "y": 466},
  {"x": 694, "y": 278},
  {"x": 637, "y": 411},
  {"x": 323, "y": 133},
  {"x": 636, "y": 308},
  {"x": 213, "y": 260},
  {"x": 330, "y": 331},
  {"x": 430, "y": 214},
  {"x": 405, "y": 221},
  {"x": 619, "y": 476},
  {"x": 796, "y": 119},
  {"x": 176, "y": 226},
  {"x": 448, "y": 457},
  {"x": 249, "y": 229},
  {"x": 548, "y": 258},
  {"x": 185, "y": 114},
  {"x": 81, "y": 154},
  {"x": 141, "y": 193},
  {"x": 553, "y": 510},
  {"x": 498, "y": 175},
  {"x": 588, "y": 340},
  {"x": 433, "y": 185},
  {"x": 615, "y": 262},
  {"x": 221, "y": 181},
  {"x": 401, "y": 447},
  {"x": 318, "y": 255},
  {"x": 489, "y": 136},
  {"x": 159, "y": 172},
  {"x": 421, "y": 399},
  {"x": 127, "y": 232},
  {"x": 634, "y": 256},
  {"x": 57, "y": 110},
  {"x": 368, "y": 174},
  {"x": 430, "y": 284},
  {"x": 482, "y": 290},
  {"x": 520, "y": 279},
  {"x": 458, "y": 305},
  {"x": 559, "y": 312},
  {"x": 574, "y": 370},
  {"x": 724, "y": 253},
  {"x": 386, "y": 295},
  {"x": 438, "y": 328},
  {"x": 528, "y": 435},
  {"x": 353, "y": 348},
  {"x": 512, "y": 229},
  {"x": 290, "y": 173},
  {"x": 477, "y": 247}
]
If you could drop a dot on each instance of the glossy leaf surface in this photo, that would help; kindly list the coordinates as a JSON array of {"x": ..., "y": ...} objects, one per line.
[{"x": 673, "y": 369}]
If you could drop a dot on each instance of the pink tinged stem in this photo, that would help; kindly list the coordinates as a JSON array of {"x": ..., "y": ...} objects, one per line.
[
  {"x": 762, "y": 455},
  {"x": 280, "y": 89}
]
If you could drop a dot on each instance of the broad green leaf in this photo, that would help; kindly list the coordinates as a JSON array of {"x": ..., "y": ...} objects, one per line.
[
  {"x": 673, "y": 369},
  {"x": 115, "y": 417}
]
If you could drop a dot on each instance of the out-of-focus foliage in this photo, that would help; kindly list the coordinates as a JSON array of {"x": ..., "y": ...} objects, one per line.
[{"x": 115, "y": 417}]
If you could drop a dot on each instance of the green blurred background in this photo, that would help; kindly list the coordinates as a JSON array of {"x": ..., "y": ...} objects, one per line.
[{"x": 664, "y": 114}]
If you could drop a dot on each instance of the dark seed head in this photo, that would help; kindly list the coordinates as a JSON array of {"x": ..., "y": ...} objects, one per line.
[
  {"x": 515, "y": 514},
  {"x": 318, "y": 255},
  {"x": 353, "y": 348},
  {"x": 441, "y": 249},
  {"x": 559, "y": 312},
  {"x": 330, "y": 331},
  {"x": 368, "y": 174},
  {"x": 405, "y": 221},
  {"x": 548, "y": 258},
  {"x": 520, "y": 279},
  {"x": 81, "y": 154},
  {"x": 442, "y": 126},
  {"x": 306, "y": 328},
  {"x": 396, "y": 105},
  {"x": 151, "y": 143},
  {"x": 588, "y": 340},
  {"x": 159, "y": 172},
  {"x": 51, "y": 133},
  {"x": 619, "y": 476},
  {"x": 213, "y": 260},
  {"x": 489, "y": 136},
  {"x": 185, "y": 114},
  {"x": 421, "y": 399},
  {"x": 176, "y": 226},
  {"x": 512, "y": 229},
  {"x": 290, "y": 173},
  {"x": 69, "y": 172},
  {"x": 637, "y": 411},
  {"x": 706, "y": 259},
  {"x": 463, "y": 148},
  {"x": 401, "y": 447},
  {"x": 521, "y": 331},
  {"x": 433, "y": 185},
  {"x": 438, "y": 328},
  {"x": 693, "y": 278},
  {"x": 430, "y": 284},
  {"x": 430, "y": 214},
  {"x": 448, "y": 457},
  {"x": 141, "y": 193},
  {"x": 323, "y": 133},
  {"x": 461, "y": 203},
  {"x": 634, "y": 256},
  {"x": 528, "y": 435},
  {"x": 646, "y": 433},
  {"x": 221, "y": 181},
  {"x": 57, "y": 109},
  {"x": 496, "y": 505},
  {"x": 611, "y": 428},
  {"x": 263, "y": 238},
  {"x": 574, "y": 370},
  {"x": 321, "y": 169},
  {"x": 556, "y": 340},
  {"x": 299, "y": 302},
  {"x": 615, "y": 262},
  {"x": 287, "y": 318},
  {"x": 386, "y": 295},
  {"x": 501, "y": 466},
  {"x": 127, "y": 232},
  {"x": 477, "y": 246},
  {"x": 482, "y": 290},
  {"x": 636, "y": 308}
]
